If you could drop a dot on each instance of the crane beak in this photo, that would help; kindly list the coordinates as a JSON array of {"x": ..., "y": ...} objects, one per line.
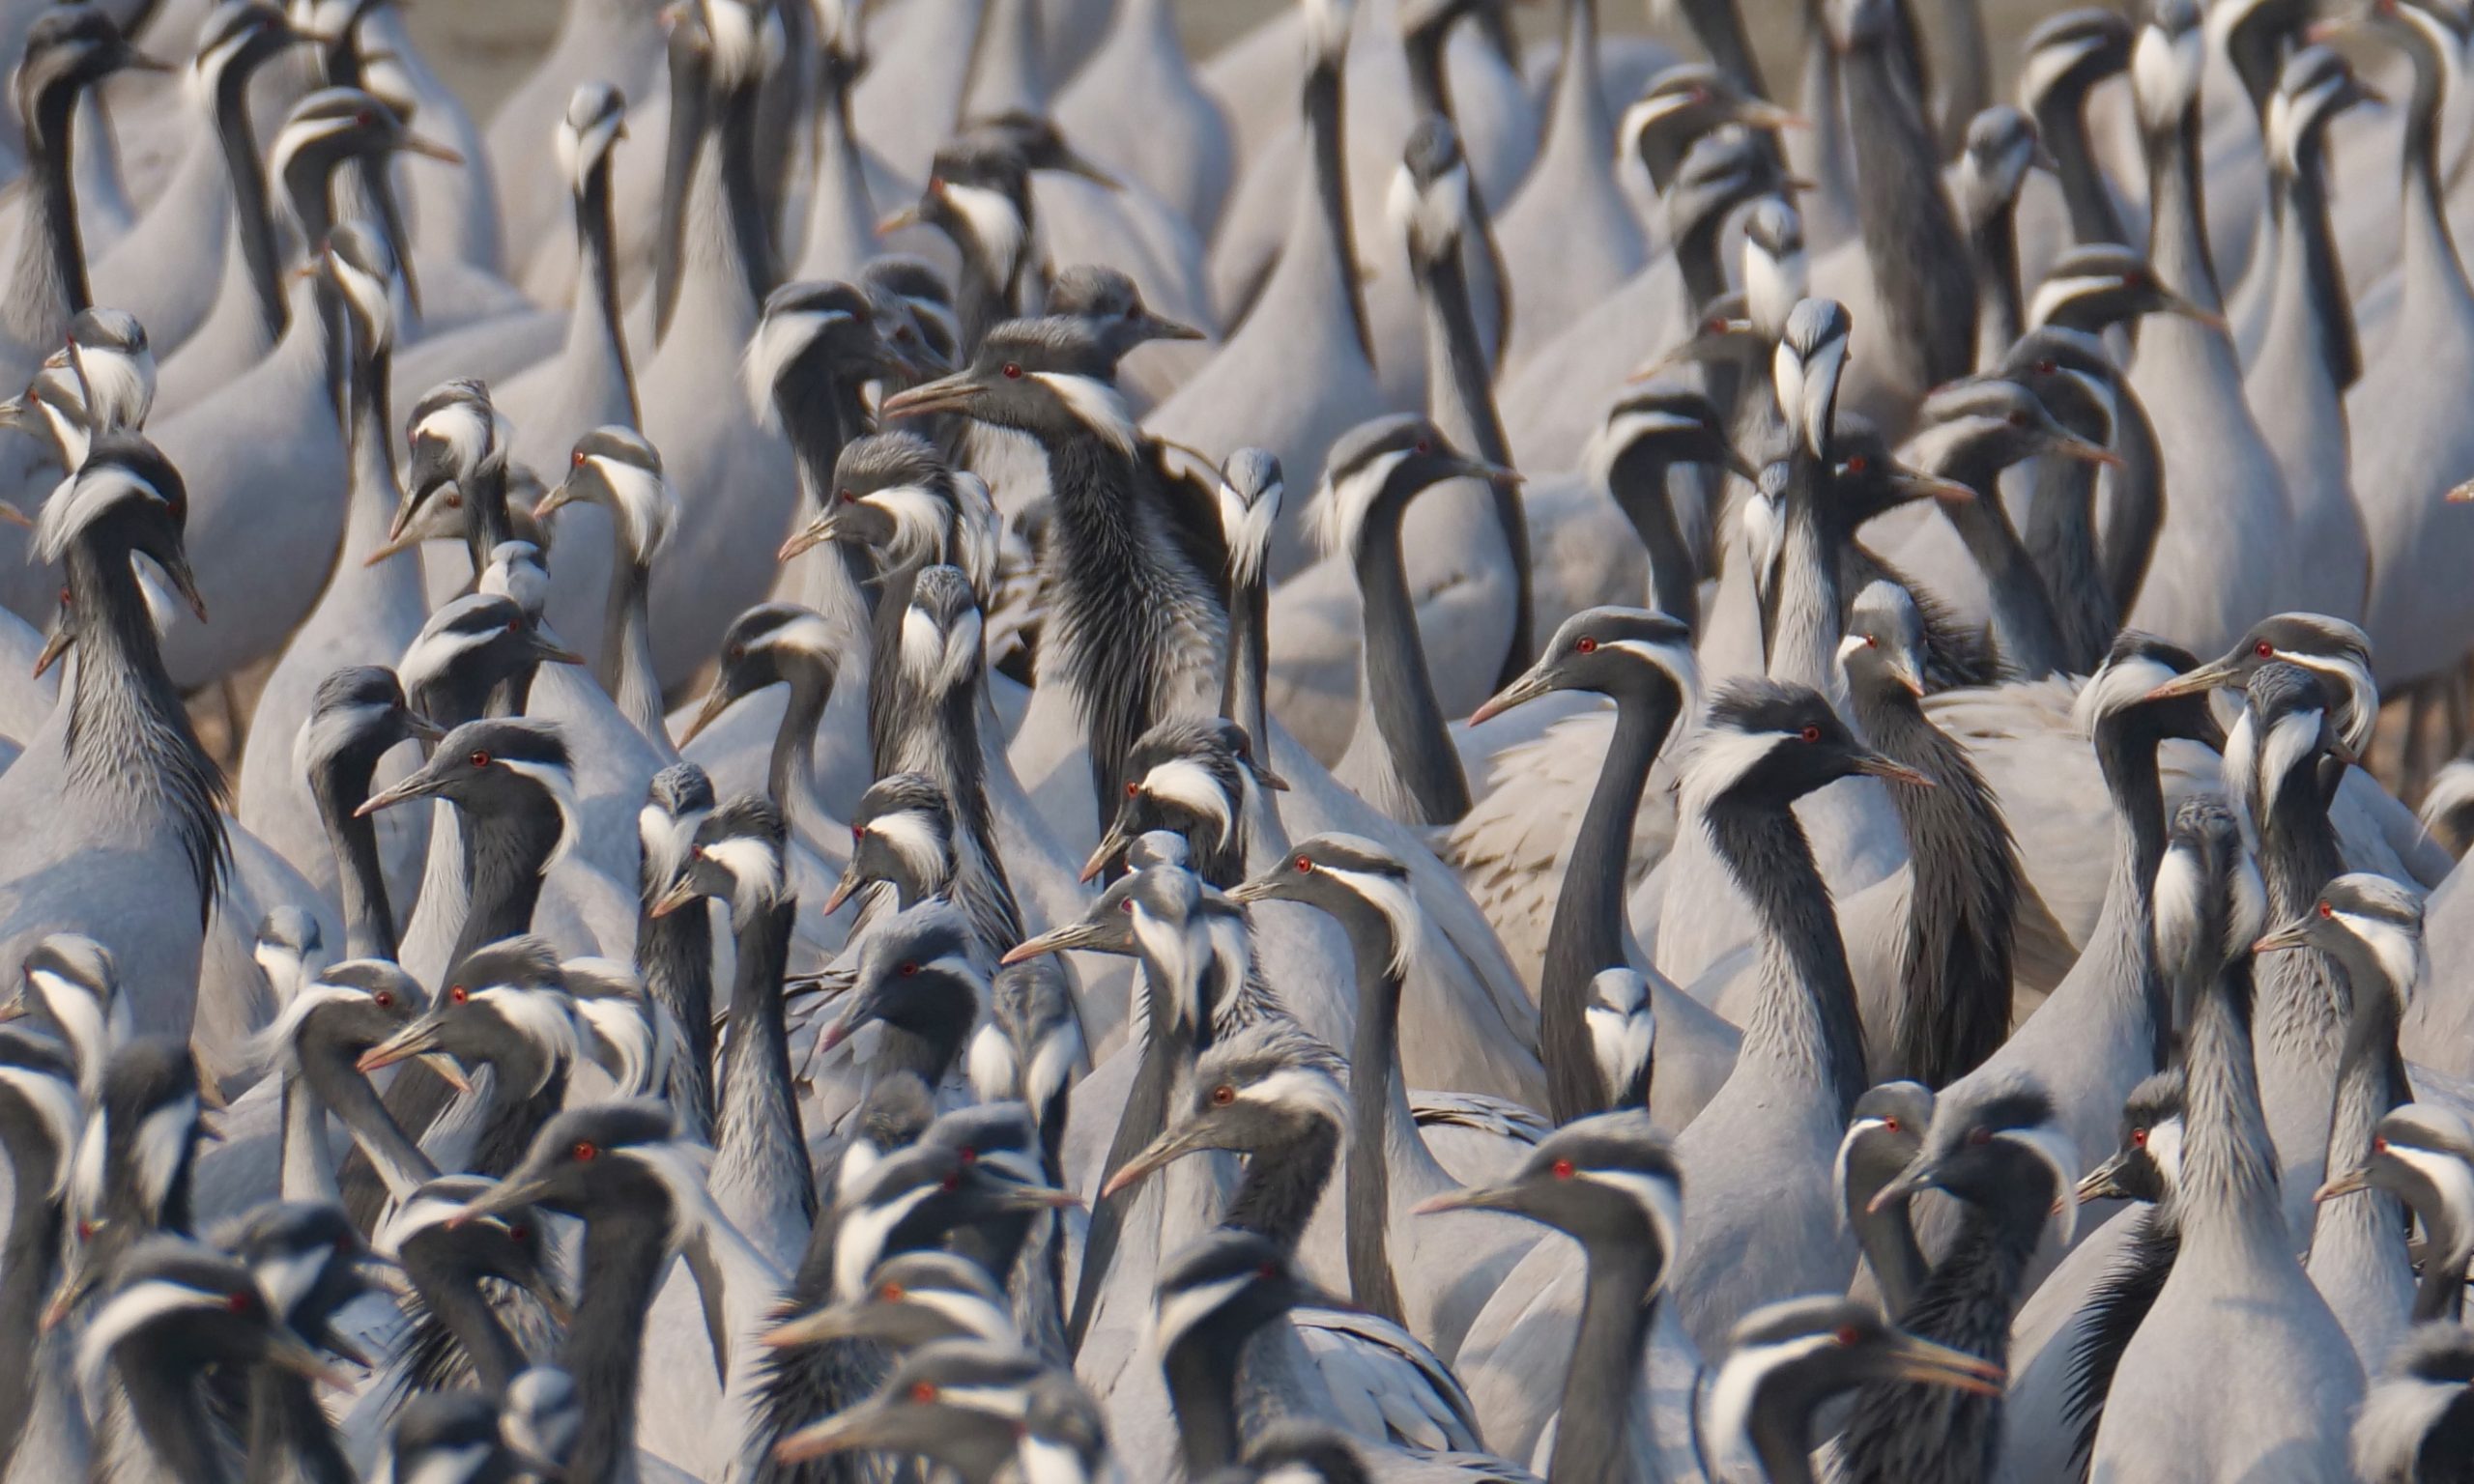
[
  {"x": 499, "y": 1199},
  {"x": 422, "y": 729},
  {"x": 1914, "y": 484},
  {"x": 2175, "y": 303},
  {"x": 717, "y": 702},
  {"x": 1254, "y": 888},
  {"x": 2194, "y": 682},
  {"x": 900, "y": 219},
  {"x": 1704, "y": 345},
  {"x": 10, "y": 515},
  {"x": 2290, "y": 935},
  {"x": 417, "y": 1040},
  {"x": 833, "y": 1322},
  {"x": 844, "y": 888},
  {"x": 1939, "y": 1365},
  {"x": 555, "y": 500},
  {"x": 447, "y": 1071},
  {"x": 2086, "y": 452},
  {"x": 868, "y": 1425},
  {"x": 1470, "y": 1198},
  {"x": 952, "y": 393},
  {"x": 2348, "y": 1183},
  {"x": 430, "y": 149},
  {"x": 416, "y": 784},
  {"x": 1055, "y": 940},
  {"x": 1161, "y": 1151},
  {"x": 806, "y": 538},
  {"x": 1761, "y": 113},
  {"x": 1025, "y": 1197},
  {"x": 53, "y": 647},
  {"x": 289, "y": 1352},
  {"x": 1074, "y": 163},
  {"x": 1916, "y": 1177},
  {"x": 2462, "y": 494},
  {"x": 1540, "y": 681},
  {"x": 2104, "y": 1183},
  {"x": 1113, "y": 845},
  {"x": 1483, "y": 468},
  {"x": 1154, "y": 326},
  {"x": 680, "y": 893},
  {"x": 1875, "y": 765}
]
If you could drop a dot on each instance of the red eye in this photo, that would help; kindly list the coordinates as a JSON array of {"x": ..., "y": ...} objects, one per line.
[
  {"x": 1810, "y": 733},
  {"x": 2326, "y": 910},
  {"x": 1125, "y": 907},
  {"x": 1890, "y": 1124},
  {"x": 519, "y": 1234},
  {"x": 578, "y": 458},
  {"x": 584, "y": 1152},
  {"x": 458, "y": 995},
  {"x": 848, "y": 497},
  {"x": 891, "y": 1293},
  {"x": 1305, "y": 865},
  {"x": 1858, "y": 464},
  {"x": 967, "y": 1155},
  {"x": 1714, "y": 325},
  {"x": 1223, "y": 1096},
  {"x": 1585, "y": 645},
  {"x": 455, "y": 502},
  {"x": 365, "y": 118},
  {"x": 1979, "y": 1137},
  {"x": 2047, "y": 367},
  {"x": 384, "y": 998},
  {"x": 2379, "y": 1144},
  {"x": 858, "y": 833},
  {"x": 1846, "y": 1336},
  {"x": 1268, "y": 1271},
  {"x": 951, "y": 1183},
  {"x": 1423, "y": 447},
  {"x": 240, "y": 1302},
  {"x": 2138, "y": 1138},
  {"x": 1561, "y": 1169},
  {"x": 481, "y": 760},
  {"x": 85, "y": 1231},
  {"x": 923, "y": 1391},
  {"x": 2264, "y": 649},
  {"x": 516, "y": 625},
  {"x": 1134, "y": 790},
  {"x": 1013, "y": 372},
  {"x": 1872, "y": 641},
  {"x": 908, "y": 970}
]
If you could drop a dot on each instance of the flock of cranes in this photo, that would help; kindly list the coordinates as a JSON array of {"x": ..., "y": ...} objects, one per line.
[{"x": 825, "y": 876}]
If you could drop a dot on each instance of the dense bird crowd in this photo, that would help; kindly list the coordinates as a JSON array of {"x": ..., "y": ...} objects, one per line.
[{"x": 813, "y": 872}]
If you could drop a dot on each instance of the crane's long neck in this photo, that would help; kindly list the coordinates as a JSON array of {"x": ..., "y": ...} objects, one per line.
[
  {"x": 1587, "y": 933},
  {"x": 1243, "y": 697},
  {"x": 1593, "y": 1433},
  {"x": 290, "y": 1439},
  {"x": 50, "y": 286},
  {"x": 1399, "y": 692},
  {"x": 1719, "y": 28},
  {"x": 1374, "y": 1082},
  {"x": 1900, "y": 1430},
  {"x": 2309, "y": 235},
  {"x": 1805, "y": 1019},
  {"x": 1993, "y": 245},
  {"x": 2025, "y": 630},
  {"x": 2301, "y": 1009},
  {"x": 742, "y": 192},
  {"x": 2433, "y": 276},
  {"x": 1805, "y": 614},
  {"x": 625, "y": 1253},
  {"x": 789, "y": 773},
  {"x": 841, "y": 223},
  {"x": 2126, "y": 756},
  {"x": 1954, "y": 962},
  {"x": 331, "y": 1081},
  {"x": 506, "y": 852},
  {"x": 252, "y": 218},
  {"x": 339, "y": 785},
  {"x": 1460, "y": 398},
  {"x": 169, "y": 1410},
  {"x": 2061, "y": 124},
  {"x": 1335, "y": 241},
  {"x": 2369, "y": 1228},
  {"x": 759, "y": 1111},
  {"x": 1113, "y": 577},
  {"x": 2177, "y": 215},
  {"x": 691, "y": 106},
  {"x": 1637, "y": 479},
  {"x": 451, "y": 1298},
  {"x": 1283, "y": 1183},
  {"x": 1202, "y": 1389},
  {"x": 129, "y": 742},
  {"x": 2229, "y": 1187},
  {"x": 2138, "y": 507},
  {"x": 593, "y": 332},
  {"x": 674, "y": 954},
  {"x": 627, "y": 647},
  {"x": 1910, "y": 239},
  {"x": 515, "y": 1115},
  {"x": 309, "y": 1163},
  {"x": 29, "y": 1260},
  {"x": 1887, "y": 1241},
  {"x": 2061, "y": 541}
]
